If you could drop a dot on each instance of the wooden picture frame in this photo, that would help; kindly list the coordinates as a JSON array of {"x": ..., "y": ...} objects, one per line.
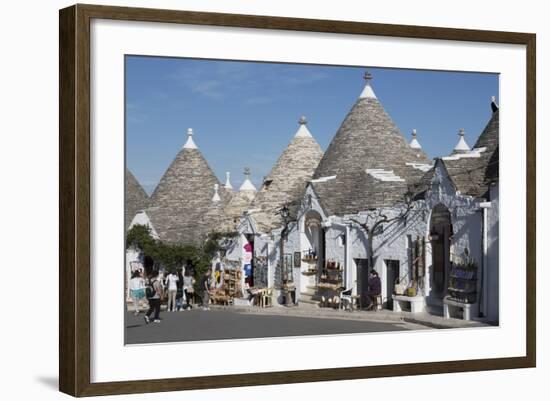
[{"x": 75, "y": 207}]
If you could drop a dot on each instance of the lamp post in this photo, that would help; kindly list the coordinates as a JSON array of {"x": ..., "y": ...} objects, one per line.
[{"x": 284, "y": 212}]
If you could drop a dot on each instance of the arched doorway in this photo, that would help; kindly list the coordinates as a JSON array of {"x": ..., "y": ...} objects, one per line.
[
  {"x": 313, "y": 245},
  {"x": 441, "y": 231}
]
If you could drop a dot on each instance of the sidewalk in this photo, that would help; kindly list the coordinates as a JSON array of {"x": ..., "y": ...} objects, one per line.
[{"x": 385, "y": 316}]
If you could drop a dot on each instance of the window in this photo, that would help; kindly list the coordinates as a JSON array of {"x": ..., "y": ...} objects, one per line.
[{"x": 342, "y": 240}]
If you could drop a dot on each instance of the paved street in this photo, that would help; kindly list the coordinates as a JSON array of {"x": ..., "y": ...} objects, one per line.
[{"x": 226, "y": 324}]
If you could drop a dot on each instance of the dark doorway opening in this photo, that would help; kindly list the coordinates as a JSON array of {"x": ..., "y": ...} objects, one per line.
[
  {"x": 440, "y": 235},
  {"x": 362, "y": 274},
  {"x": 392, "y": 277}
]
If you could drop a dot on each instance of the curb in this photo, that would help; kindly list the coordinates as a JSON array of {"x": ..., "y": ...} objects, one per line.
[
  {"x": 346, "y": 315},
  {"x": 451, "y": 325},
  {"x": 310, "y": 314}
]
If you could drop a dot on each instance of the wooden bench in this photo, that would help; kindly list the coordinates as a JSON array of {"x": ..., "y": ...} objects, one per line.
[{"x": 417, "y": 304}]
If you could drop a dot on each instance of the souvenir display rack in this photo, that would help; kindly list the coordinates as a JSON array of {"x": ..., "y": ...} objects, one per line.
[
  {"x": 463, "y": 283},
  {"x": 310, "y": 259},
  {"x": 330, "y": 283},
  {"x": 232, "y": 282},
  {"x": 309, "y": 256}
]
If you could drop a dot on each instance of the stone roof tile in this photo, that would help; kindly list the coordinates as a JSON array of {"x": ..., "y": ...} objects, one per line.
[
  {"x": 181, "y": 202},
  {"x": 286, "y": 182},
  {"x": 136, "y": 198},
  {"x": 368, "y": 139}
]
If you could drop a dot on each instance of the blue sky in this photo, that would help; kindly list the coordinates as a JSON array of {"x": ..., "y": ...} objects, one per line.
[{"x": 245, "y": 113}]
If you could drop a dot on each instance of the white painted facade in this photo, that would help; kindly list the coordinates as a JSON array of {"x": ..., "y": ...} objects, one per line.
[
  {"x": 142, "y": 219},
  {"x": 134, "y": 259},
  {"x": 346, "y": 242}
]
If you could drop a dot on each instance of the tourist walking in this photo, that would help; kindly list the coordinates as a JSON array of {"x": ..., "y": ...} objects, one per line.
[
  {"x": 188, "y": 287},
  {"x": 180, "y": 296},
  {"x": 172, "y": 287},
  {"x": 154, "y": 294},
  {"x": 205, "y": 288},
  {"x": 137, "y": 290}
]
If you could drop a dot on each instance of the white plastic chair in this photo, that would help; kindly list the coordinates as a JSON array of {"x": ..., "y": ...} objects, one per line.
[{"x": 345, "y": 295}]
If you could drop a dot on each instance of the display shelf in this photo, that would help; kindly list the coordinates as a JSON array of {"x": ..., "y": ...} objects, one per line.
[
  {"x": 465, "y": 291},
  {"x": 309, "y": 273},
  {"x": 462, "y": 287},
  {"x": 329, "y": 286}
]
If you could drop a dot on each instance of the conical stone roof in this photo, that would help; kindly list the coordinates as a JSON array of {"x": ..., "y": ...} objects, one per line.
[
  {"x": 286, "y": 183},
  {"x": 215, "y": 216},
  {"x": 473, "y": 172},
  {"x": 240, "y": 201},
  {"x": 461, "y": 146},
  {"x": 184, "y": 196},
  {"x": 136, "y": 198},
  {"x": 368, "y": 163}
]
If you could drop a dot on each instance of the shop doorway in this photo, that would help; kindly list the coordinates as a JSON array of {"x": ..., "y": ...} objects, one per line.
[
  {"x": 313, "y": 251},
  {"x": 440, "y": 234},
  {"x": 392, "y": 277},
  {"x": 249, "y": 260},
  {"x": 362, "y": 274}
]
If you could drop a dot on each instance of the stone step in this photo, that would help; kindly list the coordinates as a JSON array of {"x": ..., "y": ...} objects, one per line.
[
  {"x": 311, "y": 287},
  {"x": 241, "y": 302},
  {"x": 310, "y": 298},
  {"x": 303, "y": 301}
]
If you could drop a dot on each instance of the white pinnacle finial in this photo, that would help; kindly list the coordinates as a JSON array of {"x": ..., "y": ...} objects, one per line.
[
  {"x": 247, "y": 184},
  {"x": 414, "y": 142},
  {"x": 227, "y": 180},
  {"x": 302, "y": 130},
  {"x": 216, "y": 198},
  {"x": 367, "y": 92},
  {"x": 494, "y": 105},
  {"x": 461, "y": 146},
  {"x": 190, "y": 144}
]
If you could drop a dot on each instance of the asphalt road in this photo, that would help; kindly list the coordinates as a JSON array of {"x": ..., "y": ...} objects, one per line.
[{"x": 198, "y": 324}]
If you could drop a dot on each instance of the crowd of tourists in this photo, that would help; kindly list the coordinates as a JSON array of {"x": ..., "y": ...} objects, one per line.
[{"x": 175, "y": 288}]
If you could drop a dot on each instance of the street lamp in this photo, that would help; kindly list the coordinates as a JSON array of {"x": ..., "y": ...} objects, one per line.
[
  {"x": 408, "y": 197},
  {"x": 284, "y": 212}
]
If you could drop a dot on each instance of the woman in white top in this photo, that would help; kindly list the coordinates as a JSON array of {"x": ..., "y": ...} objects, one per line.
[
  {"x": 188, "y": 282},
  {"x": 171, "y": 283},
  {"x": 137, "y": 289}
]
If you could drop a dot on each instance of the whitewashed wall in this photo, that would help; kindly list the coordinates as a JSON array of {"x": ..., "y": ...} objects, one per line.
[
  {"x": 493, "y": 293},
  {"x": 132, "y": 255},
  {"x": 393, "y": 243}
]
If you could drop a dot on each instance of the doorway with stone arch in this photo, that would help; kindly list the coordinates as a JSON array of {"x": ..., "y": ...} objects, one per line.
[
  {"x": 441, "y": 231},
  {"x": 313, "y": 250}
]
